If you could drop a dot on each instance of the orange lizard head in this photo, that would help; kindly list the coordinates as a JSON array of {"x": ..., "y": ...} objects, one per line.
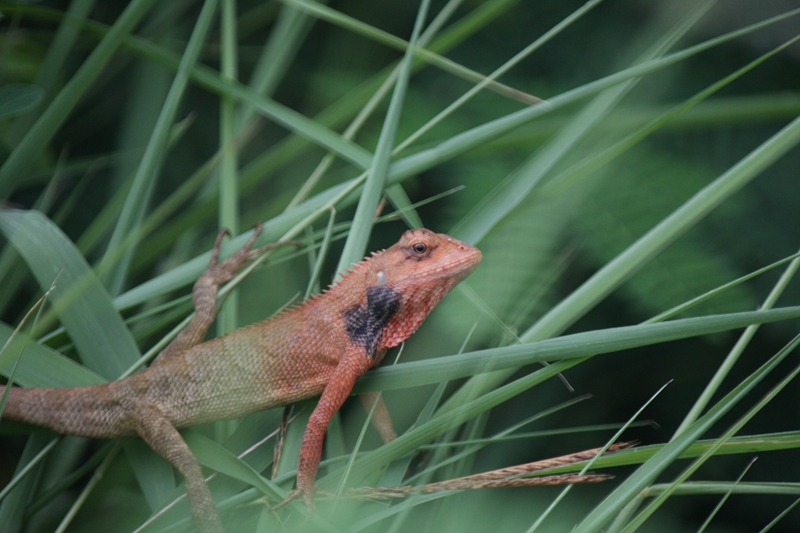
[{"x": 405, "y": 282}]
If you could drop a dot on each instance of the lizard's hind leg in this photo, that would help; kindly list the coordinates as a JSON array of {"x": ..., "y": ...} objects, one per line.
[
  {"x": 204, "y": 293},
  {"x": 162, "y": 436}
]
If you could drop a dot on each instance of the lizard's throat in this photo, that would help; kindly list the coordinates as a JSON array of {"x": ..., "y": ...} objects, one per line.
[{"x": 415, "y": 307}]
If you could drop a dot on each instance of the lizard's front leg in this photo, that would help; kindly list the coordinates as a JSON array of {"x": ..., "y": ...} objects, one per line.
[
  {"x": 333, "y": 397},
  {"x": 204, "y": 293},
  {"x": 380, "y": 416}
]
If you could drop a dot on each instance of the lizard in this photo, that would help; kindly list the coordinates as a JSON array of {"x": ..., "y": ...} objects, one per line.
[{"x": 317, "y": 348}]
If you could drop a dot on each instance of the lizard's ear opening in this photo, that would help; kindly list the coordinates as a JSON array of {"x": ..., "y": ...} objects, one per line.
[{"x": 381, "y": 277}]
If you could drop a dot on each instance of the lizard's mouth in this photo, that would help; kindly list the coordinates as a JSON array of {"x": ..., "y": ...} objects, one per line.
[{"x": 470, "y": 263}]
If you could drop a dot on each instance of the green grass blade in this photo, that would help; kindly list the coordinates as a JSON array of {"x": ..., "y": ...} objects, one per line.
[
  {"x": 284, "y": 41},
  {"x": 465, "y": 141},
  {"x": 387, "y": 39},
  {"x": 748, "y": 444},
  {"x": 227, "y": 319},
  {"x": 7, "y": 354},
  {"x": 219, "y": 458},
  {"x": 44, "y": 367},
  {"x": 12, "y": 508},
  {"x": 516, "y": 187},
  {"x": 672, "y": 227},
  {"x": 779, "y": 517},
  {"x": 592, "y": 163},
  {"x": 725, "y": 497},
  {"x": 505, "y": 67},
  {"x": 440, "y": 424}
]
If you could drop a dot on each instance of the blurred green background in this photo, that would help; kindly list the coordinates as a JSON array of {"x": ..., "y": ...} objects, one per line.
[{"x": 558, "y": 233}]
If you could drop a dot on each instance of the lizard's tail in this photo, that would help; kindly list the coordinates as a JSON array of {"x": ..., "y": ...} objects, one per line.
[{"x": 81, "y": 411}]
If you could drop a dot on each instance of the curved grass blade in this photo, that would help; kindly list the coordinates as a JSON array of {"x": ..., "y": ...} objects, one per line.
[
  {"x": 45, "y": 367},
  {"x": 103, "y": 341}
]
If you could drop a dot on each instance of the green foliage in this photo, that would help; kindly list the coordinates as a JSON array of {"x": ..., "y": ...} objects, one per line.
[{"x": 660, "y": 166}]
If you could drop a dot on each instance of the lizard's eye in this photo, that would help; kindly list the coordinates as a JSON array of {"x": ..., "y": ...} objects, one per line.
[{"x": 419, "y": 247}]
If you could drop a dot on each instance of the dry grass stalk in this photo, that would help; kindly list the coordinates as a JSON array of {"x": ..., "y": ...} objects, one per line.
[{"x": 504, "y": 477}]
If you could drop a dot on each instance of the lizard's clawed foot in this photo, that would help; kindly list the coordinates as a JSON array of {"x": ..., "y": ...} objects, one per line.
[
  {"x": 308, "y": 497},
  {"x": 224, "y": 271}
]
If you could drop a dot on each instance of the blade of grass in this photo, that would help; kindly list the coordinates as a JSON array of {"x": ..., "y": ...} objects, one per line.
[
  {"x": 476, "y": 445},
  {"x": 284, "y": 41},
  {"x": 538, "y": 434},
  {"x": 748, "y": 444},
  {"x": 479, "y": 135},
  {"x": 13, "y": 505},
  {"x": 44, "y": 367},
  {"x": 370, "y": 107},
  {"x": 21, "y": 351},
  {"x": 212, "y": 80},
  {"x": 725, "y": 497},
  {"x": 780, "y": 516},
  {"x": 57, "y": 53},
  {"x": 593, "y": 460},
  {"x": 669, "y": 313},
  {"x": 590, "y": 164},
  {"x": 505, "y": 67},
  {"x": 316, "y": 272},
  {"x": 93, "y": 481},
  {"x": 227, "y": 319},
  {"x": 495, "y": 206}
]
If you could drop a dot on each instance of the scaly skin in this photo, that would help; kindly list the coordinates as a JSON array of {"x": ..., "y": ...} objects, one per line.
[{"x": 317, "y": 348}]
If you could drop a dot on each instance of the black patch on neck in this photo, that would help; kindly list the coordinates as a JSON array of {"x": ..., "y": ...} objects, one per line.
[{"x": 364, "y": 324}]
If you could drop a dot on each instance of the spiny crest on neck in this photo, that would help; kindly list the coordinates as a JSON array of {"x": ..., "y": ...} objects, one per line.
[{"x": 343, "y": 283}]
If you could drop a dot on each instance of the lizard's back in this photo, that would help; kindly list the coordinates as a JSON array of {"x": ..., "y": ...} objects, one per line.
[{"x": 274, "y": 362}]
